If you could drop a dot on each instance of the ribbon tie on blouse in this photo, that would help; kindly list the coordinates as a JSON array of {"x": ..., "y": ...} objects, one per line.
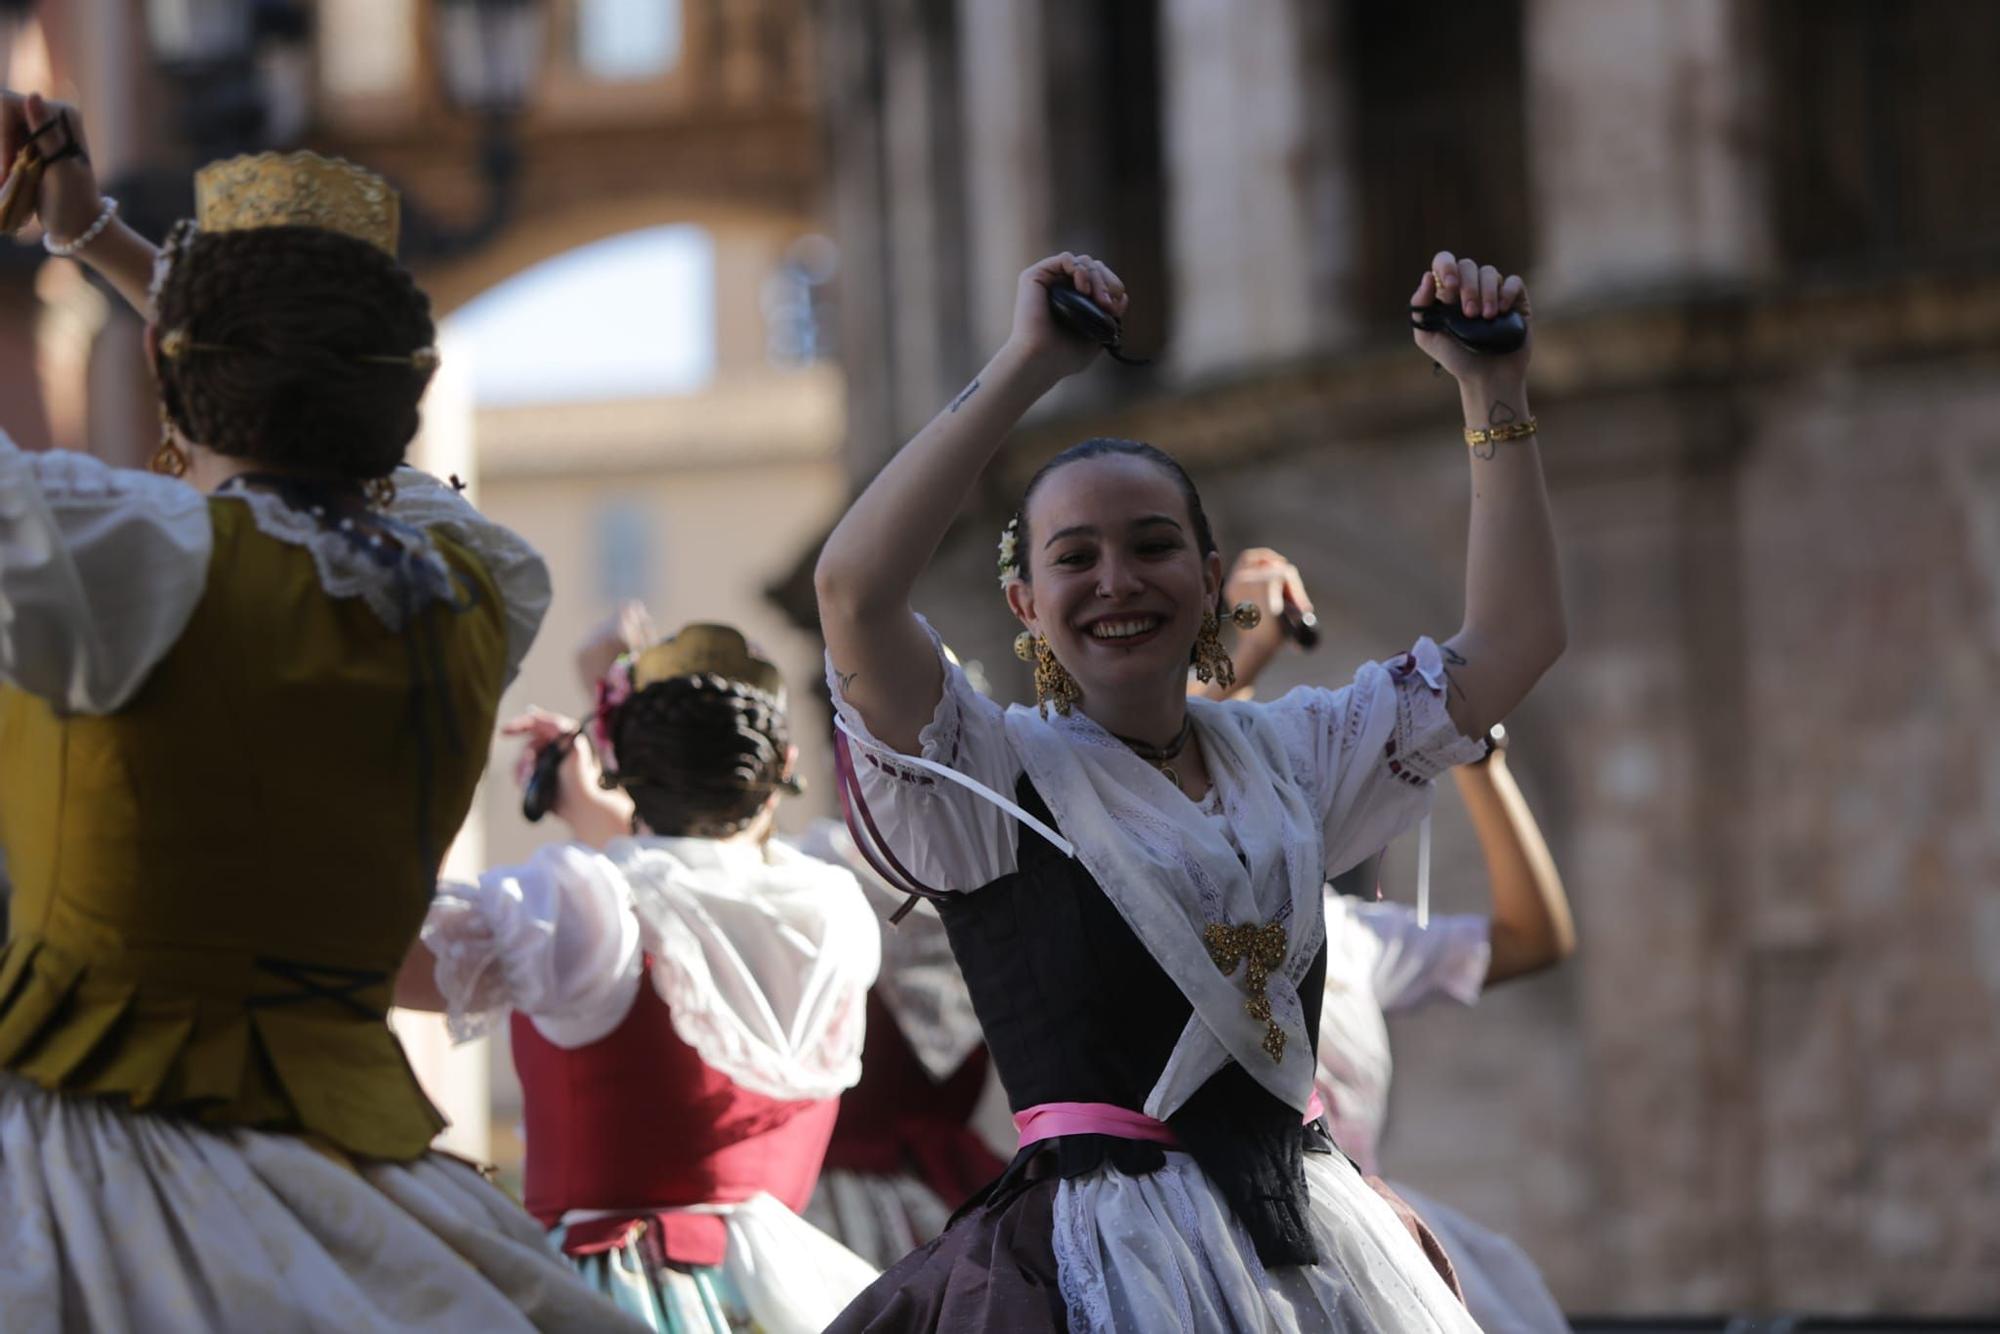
[{"x": 1263, "y": 948}]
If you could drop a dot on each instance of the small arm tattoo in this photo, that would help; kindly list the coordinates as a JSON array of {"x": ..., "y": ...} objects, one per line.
[
  {"x": 846, "y": 679},
  {"x": 969, "y": 391},
  {"x": 1485, "y": 449},
  {"x": 1453, "y": 658},
  {"x": 1500, "y": 414}
]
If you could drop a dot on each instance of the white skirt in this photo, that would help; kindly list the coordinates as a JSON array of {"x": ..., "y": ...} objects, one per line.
[
  {"x": 120, "y": 1222},
  {"x": 1503, "y": 1289},
  {"x": 779, "y": 1275},
  {"x": 881, "y": 1218},
  {"x": 1163, "y": 1251}
]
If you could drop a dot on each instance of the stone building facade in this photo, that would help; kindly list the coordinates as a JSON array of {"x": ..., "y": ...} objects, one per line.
[{"x": 1762, "y": 241}]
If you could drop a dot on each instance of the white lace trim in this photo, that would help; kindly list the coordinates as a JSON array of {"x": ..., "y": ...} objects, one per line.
[
  {"x": 1079, "y": 1271},
  {"x": 345, "y": 571},
  {"x": 516, "y": 569},
  {"x": 813, "y": 921},
  {"x": 473, "y": 986}
]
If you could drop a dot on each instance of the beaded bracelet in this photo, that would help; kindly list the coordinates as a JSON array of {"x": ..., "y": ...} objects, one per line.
[
  {"x": 1493, "y": 435},
  {"x": 68, "y": 249}
]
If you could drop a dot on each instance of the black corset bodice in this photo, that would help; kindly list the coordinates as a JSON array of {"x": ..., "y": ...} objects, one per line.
[{"x": 1076, "y": 1010}]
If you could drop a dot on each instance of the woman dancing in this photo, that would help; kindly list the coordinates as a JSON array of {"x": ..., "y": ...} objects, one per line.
[
  {"x": 1147, "y": 956},
  {"x": 687, "y": 995},
  {"x": 1384, "y": 957},
  {"x": 241, "y": 715}
]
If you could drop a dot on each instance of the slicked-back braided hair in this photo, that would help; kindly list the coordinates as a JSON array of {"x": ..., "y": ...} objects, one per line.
[
  {"x": 1103, "y": 446},
  {"x": 279, "y": 322},
  {"x": 700, "y": 755}
]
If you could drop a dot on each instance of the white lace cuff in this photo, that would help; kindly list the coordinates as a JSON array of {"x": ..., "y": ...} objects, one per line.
[
  {"x": 554, "y": 938},
  {"x": 1426, "y": 742}
]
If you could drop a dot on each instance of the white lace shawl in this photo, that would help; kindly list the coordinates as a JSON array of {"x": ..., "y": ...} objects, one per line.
[
  {"x": 1311, "y": 784},
  {"x": 1261, "y": 863},
  {"x": 763, "y": 957}
]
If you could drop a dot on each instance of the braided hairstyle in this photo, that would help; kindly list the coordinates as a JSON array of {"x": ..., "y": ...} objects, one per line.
[
  {"x": 279, "y": 322},
  {"x": 700, "y": 755}
]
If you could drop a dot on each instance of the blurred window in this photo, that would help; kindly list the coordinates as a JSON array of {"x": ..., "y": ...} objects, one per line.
[
  {"x": 366, "y": 47},
  {"x": 624, "y": 551},
  {"x": 1426, "y": 143},
  {"x": 623, "y": 41},
  {"x": 1883, "y": 134},
  {"x": 798, "y": 314}
]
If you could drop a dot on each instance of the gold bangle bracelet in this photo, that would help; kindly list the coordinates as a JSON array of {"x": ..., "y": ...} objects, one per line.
[{"x": 1494, "y": 435}]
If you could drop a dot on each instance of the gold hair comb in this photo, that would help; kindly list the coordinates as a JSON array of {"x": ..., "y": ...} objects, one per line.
[{"x": 176, "y": 344}]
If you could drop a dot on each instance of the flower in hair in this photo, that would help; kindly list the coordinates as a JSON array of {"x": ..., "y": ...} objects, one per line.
[
  {"x": 613, "y": 689},
  {"x": 163, "y": 259},
  {"x": 1010, "y": 546}
]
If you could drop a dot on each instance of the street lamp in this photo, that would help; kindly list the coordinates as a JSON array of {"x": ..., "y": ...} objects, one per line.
[
  {"x": 206, "y": 46},
  {"x": 281, "y": 38},
  {"x": 197, "y": 33},
  {"x": 245, "y": 71},
  {"x": 490, "y": 53},
  {"x": 489, "y": 60}
]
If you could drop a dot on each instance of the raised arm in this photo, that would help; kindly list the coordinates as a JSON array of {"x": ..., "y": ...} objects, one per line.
[
  {"x": 1514, "y": 628},
  {"x": 1268, "y": 581},
  {"x": 1531, "y": 925},
  {"x": 68, "y": 202},
  {"x": 874, "y": 557}
]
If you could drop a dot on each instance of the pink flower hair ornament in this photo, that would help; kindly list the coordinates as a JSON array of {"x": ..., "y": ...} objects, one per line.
[{"x": 613, "y": 689}]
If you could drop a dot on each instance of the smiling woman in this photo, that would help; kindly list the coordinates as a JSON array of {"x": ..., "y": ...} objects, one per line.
[
  {"x": 1147, "y": 951},
  {"x": 1126, "y": 514}
]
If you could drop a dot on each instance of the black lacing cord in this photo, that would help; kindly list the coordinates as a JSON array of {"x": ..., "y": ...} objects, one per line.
[{"x": 339, "y": 507}]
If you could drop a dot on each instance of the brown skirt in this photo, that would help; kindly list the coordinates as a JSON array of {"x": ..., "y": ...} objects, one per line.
[{"x": 992, "y": 1269}]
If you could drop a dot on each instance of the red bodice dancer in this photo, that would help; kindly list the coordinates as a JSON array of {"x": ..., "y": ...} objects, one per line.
[{"x": 688, "y": 999}]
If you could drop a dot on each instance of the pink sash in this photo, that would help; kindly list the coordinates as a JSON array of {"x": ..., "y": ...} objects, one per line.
[{"x": 1048, "y": 1120}]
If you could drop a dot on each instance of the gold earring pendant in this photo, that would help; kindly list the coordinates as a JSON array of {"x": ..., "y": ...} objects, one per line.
[
  {"x": 1212, "y": 662},
  {"x": 169, "y": 460},
  {"x": 1053, "y": 683}
]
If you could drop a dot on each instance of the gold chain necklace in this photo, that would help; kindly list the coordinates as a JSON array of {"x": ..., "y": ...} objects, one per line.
[{"x": 1163, "y": 757}]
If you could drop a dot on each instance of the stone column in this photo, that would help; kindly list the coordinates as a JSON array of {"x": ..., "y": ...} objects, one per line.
[
  {"x": 1259, "y": 234},
  {"x": 1645, "y": 145},
  {"x": 851, "y": 60},
  {"x": 1006, "y": 150},
  {"x": 99, "y": 47},
  {"x": 924, "y": 211}
]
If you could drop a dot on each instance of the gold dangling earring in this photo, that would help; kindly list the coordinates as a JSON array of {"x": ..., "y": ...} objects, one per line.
[
  {"x": 169, "y": 460},
  {"x": 1053, "y": 683},
  {"x": 1212, "y": 661},
  {"x": 381, "y": 491}
]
